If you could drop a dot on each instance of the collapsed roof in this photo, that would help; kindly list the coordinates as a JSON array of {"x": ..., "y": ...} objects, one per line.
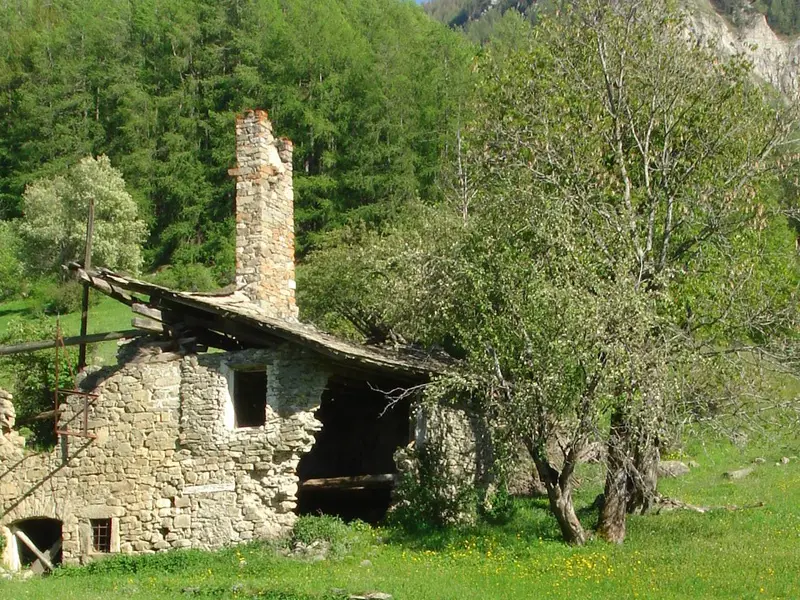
[{"x": 231, "y": 321}]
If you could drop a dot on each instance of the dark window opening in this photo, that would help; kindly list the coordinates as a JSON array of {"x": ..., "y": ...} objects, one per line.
[
  {"x": 101, "y": 535},
  {"x": 45, "y": 534},
  {"x": 360, "y": 433},
  {"x": 250, "y": 398}
]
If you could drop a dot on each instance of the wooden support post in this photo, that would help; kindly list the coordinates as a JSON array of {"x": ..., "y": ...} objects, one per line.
[
  {"x": 27, "y": 541},
  {"x": 87, "y": 264}
]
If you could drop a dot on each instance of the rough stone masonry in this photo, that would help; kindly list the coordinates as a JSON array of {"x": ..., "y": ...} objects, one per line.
[
  {"x": 264, "y": 216},
  {"x": 167, "y": 467}
]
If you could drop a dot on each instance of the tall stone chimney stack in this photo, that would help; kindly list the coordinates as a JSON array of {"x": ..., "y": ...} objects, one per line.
[{"x": 264, "y": 216}]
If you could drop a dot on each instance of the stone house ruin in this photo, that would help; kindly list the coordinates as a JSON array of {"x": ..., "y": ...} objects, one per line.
[{"x": 225, "y": 421}]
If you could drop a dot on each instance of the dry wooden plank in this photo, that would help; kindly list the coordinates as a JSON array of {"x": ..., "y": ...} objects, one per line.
[
  {"x": 38, "y": 566},
  {"x": 27, "y": 541},
  {"x": 355, "y": 482},
  {"x": 147, "y": 311},
  {"x": 102, "y": 285},
  {"x": 147, "y": 324}
]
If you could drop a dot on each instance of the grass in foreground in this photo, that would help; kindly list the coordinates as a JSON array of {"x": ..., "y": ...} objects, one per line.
[{"x": 748, "y": 553}]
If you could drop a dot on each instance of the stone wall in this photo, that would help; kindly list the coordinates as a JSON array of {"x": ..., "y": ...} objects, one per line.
[
  {"x": 462, "y": 440},
  {"x": 167, "y": 466},
  {"x": 264, "y": 216},
  {"x": 448, "y": 467},
  {"x": 11, "y": 442}
]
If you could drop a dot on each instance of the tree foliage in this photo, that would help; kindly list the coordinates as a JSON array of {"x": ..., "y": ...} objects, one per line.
[
  {"x": 10, "y": 265},
  {"x": 33, "y": 375},
  {"x": 53, "y": 229},
  {"x": 368, "y": 90},
  {"x": 616, "y": 222}
]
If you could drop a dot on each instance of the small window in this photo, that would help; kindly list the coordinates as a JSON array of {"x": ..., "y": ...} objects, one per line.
[
  {"x": 250, "y": 398},
  {"x": 101, "y": 535}
]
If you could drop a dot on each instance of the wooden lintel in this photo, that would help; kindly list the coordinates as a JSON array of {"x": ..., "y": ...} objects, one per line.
[
  {"x": 92, "y": 338},
  {"x": 357, "y": 482}
]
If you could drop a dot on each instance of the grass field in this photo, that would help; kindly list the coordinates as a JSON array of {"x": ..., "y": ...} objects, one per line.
[{"x": 747, "y": 553}]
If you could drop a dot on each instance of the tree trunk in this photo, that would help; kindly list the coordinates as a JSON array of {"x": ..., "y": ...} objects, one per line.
[
  {"x": 559, "y": 493},
  {"x": 643, "y": 479},
  {"x": 615, "y": 505}
]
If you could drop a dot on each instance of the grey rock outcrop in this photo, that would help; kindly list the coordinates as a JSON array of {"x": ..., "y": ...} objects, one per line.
[{"x": 672, "y": 468}]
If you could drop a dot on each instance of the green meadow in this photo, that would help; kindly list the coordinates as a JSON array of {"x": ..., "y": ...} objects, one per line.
[{"x": 748, "y": 548}]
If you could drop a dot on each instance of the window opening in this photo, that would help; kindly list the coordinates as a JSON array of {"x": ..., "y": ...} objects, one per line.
[
  {"x": 250, "y": 398},
  {"x": 101, "y": 535}
]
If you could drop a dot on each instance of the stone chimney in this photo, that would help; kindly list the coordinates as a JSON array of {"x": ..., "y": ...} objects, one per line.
[{"x": 264, "y": 216}]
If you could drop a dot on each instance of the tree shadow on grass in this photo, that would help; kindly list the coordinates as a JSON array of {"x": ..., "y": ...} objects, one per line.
[
  {"x": 21, "y": 311},
  {"x": 528, "y": 520}
]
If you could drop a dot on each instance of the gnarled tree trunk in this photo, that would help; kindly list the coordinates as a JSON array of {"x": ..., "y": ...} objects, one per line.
[
  {"x": 559, "y": 493},
  {"x": 613, "y": 514},
  {"x": 643, "y": 477}
]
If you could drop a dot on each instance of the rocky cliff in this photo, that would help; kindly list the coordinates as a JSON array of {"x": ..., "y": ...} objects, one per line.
[{"x": 775, "y": 58}]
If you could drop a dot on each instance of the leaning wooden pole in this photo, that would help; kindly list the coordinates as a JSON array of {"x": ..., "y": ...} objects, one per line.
[
  {"x": 87, "y": 264},
  {"x": 32, "y": 547}
]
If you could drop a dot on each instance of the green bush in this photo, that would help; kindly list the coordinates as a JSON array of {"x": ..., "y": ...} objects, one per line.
[
  {"x": 11, "y": 280},
  {"x": 33, "y": 378},
  {"x": 341, "y": 536},
  {"x": 52, "y": 297},
  {"x": 325, "y": 528},
  {"x": 430, "y": 497},
  {"x": 186, "y": 278},
  {"x": 176, "y": 561},
  {"x": 499, "y": 507}
]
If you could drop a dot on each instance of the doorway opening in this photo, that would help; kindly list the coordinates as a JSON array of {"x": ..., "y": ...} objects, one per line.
[
  {"x": 38, "y": 543},
  {"x": 350, "y": 470}
]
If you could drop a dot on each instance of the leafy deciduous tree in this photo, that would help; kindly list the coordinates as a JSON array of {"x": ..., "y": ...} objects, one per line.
[
  {"x": 53, "y": 228},
  {"x": 624, "y": 224}
]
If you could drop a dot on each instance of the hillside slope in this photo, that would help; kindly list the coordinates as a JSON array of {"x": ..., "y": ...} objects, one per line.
[{"x": 775, "y": 58}]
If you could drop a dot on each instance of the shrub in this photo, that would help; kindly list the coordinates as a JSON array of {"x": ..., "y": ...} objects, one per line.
[
  {"x": 429, "y": 495},
  {"x": 10, "y": 266},
  {"x": 192, "y": 277},
  {"x": 498, "y": 506},
  {"x": 55, "y": 298},
  {"x": 176, "y": 561},
  {"x": 33, "y": 378},
  {"x": 325, "y": 528}
]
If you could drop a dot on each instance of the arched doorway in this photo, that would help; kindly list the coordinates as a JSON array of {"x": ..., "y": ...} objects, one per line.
[{"x": 37, "y": 542}]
